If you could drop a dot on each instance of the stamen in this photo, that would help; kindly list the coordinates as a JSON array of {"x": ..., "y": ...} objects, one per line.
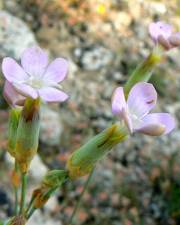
[{"x": 36, "y": 83}]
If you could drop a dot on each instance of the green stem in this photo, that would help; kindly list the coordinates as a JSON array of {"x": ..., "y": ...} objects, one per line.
[
  {"x": 143, "y": 71},
  {"x": 31, "y": 211},
  {"x": 16, "y": 191},
  {"x": 23, "y": 192},
  {"x": 80, "y": 197},
  {"x": 30, "y": 205}
]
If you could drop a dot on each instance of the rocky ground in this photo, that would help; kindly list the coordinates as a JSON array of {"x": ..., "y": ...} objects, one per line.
[{"x": 139, "y": 182}]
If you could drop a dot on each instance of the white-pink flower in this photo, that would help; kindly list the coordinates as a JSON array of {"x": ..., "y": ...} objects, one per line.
[
  {"x": 162, "y": 33},
  {"x": 35, "y": 78},
  {"x": 135, "y": 111}
]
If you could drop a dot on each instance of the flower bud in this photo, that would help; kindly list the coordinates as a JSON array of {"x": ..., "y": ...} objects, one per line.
[
  {"x": 143, "y": 72},
  {"x": 40, "y": 197},
  {"x": 82, "y": 161},
  {"x": 52, "y": 180},
  {"x": 12, "y": 130},
  {"x": 27, "y": 134}
]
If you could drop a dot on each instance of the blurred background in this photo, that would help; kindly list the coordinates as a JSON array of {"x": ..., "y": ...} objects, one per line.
[{"x": 138, "y": 183}]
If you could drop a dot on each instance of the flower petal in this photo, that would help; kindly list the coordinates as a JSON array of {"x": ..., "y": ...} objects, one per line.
[
  {"x": 160, "y": 28},
  {"x": 25, "y": 90},
  {"x": 142, "y": 98},
  {"x": 152, "y": 129},
  {"x": 156, "y": 124},
  {"x": 34, "y": 61},
  {"x": 12, "y": 71},
  {"x": 118, "y": 101},
  {"x": 119, "y": 107},
  {"x": 57, "y": 70},
  {"x": 125, "y": 116},
  {"x": 164, "y": 42},
  {"x": 12, "y": 96},
  {"x": 50, "y": 94}
]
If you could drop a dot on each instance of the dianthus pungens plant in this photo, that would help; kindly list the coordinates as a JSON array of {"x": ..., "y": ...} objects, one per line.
[{"x": 34, "y": 82}]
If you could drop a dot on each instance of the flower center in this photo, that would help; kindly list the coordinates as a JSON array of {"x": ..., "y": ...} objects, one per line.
[
  {"x": 136, "y": 121},
  {"x": 35, "y": 82}
]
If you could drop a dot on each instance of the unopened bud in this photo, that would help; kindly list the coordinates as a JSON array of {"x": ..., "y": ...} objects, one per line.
[
  {"x": 40, "y": 197},
  {"x": 52, "y": 180},
  {"x": 28, "y": 134}
]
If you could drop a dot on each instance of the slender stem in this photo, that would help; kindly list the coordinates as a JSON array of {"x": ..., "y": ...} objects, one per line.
[
  {"x": 16, "y": 191},
  {"x": 30, "y": 205},
  {"x": 16, "y": 201},
  {"x": 23, "y": 192},
  {"x": 50, "y": 192},
  {"x": 80, "y": 197},
  {"x": 31, "y": 211}
]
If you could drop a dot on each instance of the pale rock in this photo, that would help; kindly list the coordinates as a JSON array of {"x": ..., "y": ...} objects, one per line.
[
  {"x": 37, "y": 167},
  {"x": 157, "y": 7},
  {"x": 51, "y": 204},
  {"x": 15, "y": 36},
  {"x": 51, "y": 126},
  {"x": 94, "y": 57}
]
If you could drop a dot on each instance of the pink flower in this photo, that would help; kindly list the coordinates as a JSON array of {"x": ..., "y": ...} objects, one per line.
[
  {"x": 35, "y": 78},
  {"x": 135, "y": 111},
  {"x": 162, "y": 33}
]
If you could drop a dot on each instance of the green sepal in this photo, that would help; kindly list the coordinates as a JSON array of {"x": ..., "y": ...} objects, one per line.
[
  {"x": 28, "y": 134},
  {"x": 14, "y": 116},
  {"x": 82, "y": 161},
  {"x": 54, "y": 178}
]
